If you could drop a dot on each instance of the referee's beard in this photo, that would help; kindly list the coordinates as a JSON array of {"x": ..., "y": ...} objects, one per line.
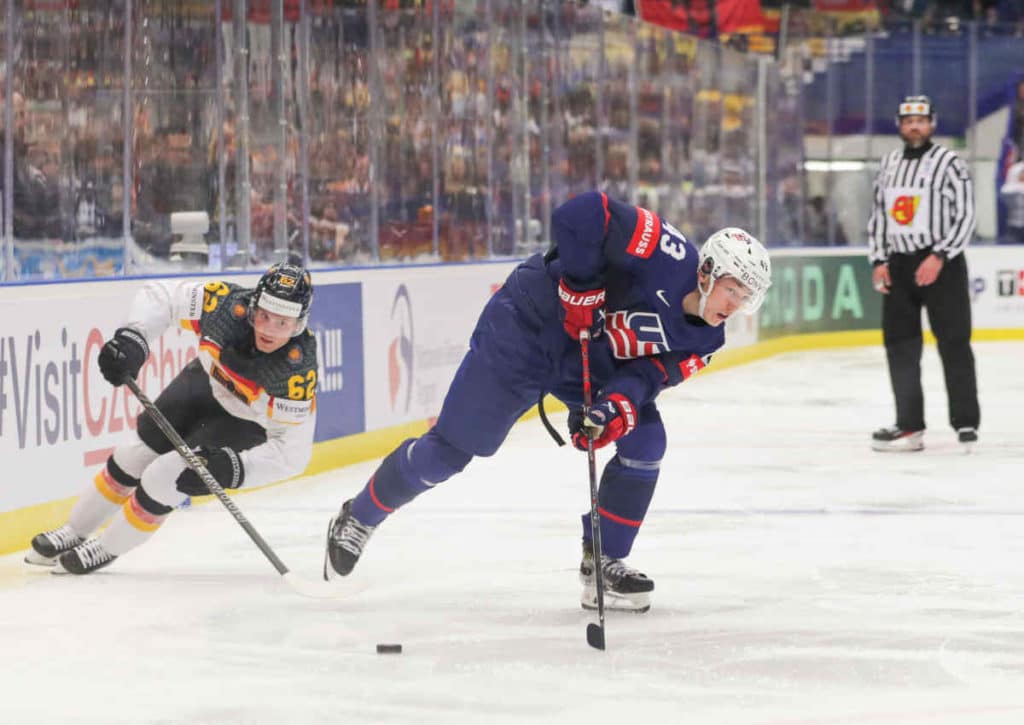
[{"x": 915, "y": 139}]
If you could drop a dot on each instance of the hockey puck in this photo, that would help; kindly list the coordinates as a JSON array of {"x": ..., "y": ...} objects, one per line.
[{"x": 389, "y": 649}]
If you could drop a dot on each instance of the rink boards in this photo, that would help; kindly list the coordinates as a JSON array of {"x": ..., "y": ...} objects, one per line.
[{"x": 389, "y": 342}]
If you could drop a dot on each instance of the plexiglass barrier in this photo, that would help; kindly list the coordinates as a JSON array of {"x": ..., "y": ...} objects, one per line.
[
  {"x": 154, "y": 137},
  {"x": 850, "y": 85}
]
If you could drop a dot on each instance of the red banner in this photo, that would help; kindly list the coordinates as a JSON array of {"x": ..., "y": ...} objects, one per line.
[{"x": 704, "y": 17}]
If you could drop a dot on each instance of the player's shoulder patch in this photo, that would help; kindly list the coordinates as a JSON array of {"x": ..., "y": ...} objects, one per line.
[
  {"x": 646, "y": 233},
  {"x": 239, "y": 309},
  {"x": 294, "y": 354},
  {"x": 300, "y": 353}
]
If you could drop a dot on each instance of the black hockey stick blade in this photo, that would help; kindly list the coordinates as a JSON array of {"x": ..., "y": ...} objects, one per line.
[{"x": 595, "y": 636}]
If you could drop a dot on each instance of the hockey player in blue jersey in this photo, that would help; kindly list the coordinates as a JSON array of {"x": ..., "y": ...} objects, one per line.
[{"x": 655, "y": 309}]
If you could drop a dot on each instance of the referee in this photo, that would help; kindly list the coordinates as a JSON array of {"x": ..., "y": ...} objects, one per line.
[{"x": 921, "y": 221}]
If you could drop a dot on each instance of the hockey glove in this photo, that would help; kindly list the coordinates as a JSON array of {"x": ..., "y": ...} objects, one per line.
[
  {"x": 123, "y": 355},
  {"x": 582, "y": 305},
  {"x": 612, "y": 417},
  {"x": 223, "y": 464}
]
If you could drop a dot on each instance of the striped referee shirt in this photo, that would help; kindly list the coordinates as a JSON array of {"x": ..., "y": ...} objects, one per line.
[{"x": 923, "y": 198}]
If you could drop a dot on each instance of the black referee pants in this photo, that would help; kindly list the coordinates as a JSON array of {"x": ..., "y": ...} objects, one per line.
[{"x": 949, "y": 313}]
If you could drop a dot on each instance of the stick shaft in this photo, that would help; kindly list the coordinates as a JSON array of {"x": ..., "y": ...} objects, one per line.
[
  {"x": 196, "y": 464},
  {"x": 595, "y": 516}
]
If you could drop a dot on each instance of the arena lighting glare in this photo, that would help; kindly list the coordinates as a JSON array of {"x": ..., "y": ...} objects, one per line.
[{"x": 814, "y": 165}]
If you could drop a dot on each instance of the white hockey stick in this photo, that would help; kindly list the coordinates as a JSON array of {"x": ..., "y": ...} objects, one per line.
[{"x": 306, "y": 587}]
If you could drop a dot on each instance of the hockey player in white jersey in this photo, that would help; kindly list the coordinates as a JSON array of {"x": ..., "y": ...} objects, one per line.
[{"x": 246, "y": 405}]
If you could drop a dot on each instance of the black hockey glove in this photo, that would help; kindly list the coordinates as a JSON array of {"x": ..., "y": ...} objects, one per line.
[
  {"x": 223, "y": 464},
  {"x": 123, "y": 355}
]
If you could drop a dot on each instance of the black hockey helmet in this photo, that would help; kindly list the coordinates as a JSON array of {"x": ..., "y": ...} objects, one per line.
[
  {"x": 284, "y": 289},
  {"x": 916, "y": 106}
]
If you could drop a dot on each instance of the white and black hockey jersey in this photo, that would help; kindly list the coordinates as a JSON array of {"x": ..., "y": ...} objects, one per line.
[
  {"x": 921, "y": 200},
  {"x": 277, "y": 390}
]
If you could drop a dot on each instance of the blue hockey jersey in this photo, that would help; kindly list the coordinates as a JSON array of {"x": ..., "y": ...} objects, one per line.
[{"x": 647, "y": 266}]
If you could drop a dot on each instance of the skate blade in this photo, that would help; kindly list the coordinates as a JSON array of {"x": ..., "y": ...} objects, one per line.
[
  {"x": 36, "y": 559},
  {"x": 638, "y": 603},
  {"x": 884, "y": 447}
]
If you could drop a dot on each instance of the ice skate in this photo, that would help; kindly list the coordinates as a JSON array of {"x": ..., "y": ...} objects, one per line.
[
  {"x": 84, "y": 559},
  {"x": 897, "y": 440},
  {"x": 625, "y": 588},
  {"x": 968, "y": 438},
  {"x": 346, "y": 539},
  {"x": 47, "y": 546}
]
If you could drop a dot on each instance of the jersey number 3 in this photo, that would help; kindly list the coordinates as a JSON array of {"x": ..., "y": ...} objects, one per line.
[
  {"x": 672, "y": 242},
  {"x": 212, "y": 292}
]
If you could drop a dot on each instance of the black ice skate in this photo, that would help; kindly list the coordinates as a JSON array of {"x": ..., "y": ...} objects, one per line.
[
  {"x": 895, "y": 439},
  {"x": 968, "y": 437},
  {"x": 346, "y": 539},
  {"x": 47, "y": 546},
  {"x": 84, "y": 559},
  {"x": 625, "y": 588}
]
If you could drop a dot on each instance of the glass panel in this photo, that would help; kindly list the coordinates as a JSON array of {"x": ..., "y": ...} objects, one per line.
[
  {"x": 537, "y": 60},
  {"x": 679, "y": 81},
  {"x": 739, "y": 143},
  {"x": 505, "y": 129},
  {"x": 580, "y": 65},
  {"x": 406, "y": 154},
  {"x": 617, "y": 131},
  {"x": 784, "y": 174},
  {"x": 174, "y": 150},
  {"x": 273, "y": 147},
  {"x": 67, "y": 136},
  {"x": 339, "y": 157}
]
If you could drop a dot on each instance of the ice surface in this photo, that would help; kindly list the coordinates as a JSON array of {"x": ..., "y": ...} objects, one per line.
[{"x": 801, "y": 578}]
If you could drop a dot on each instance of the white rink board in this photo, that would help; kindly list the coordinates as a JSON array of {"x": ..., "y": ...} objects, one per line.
[
  {"x": 57, "y": 414},
  {"x": 996, "y": 277},
  {"x": 416, "y": 328}
]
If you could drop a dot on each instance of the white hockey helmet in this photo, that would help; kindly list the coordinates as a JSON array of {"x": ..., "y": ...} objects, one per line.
[{"x": 735, "y": 253}]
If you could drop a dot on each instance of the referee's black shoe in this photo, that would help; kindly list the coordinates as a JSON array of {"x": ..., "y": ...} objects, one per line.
[
  {"x": 897, "y": 440},
  {"x": 968, "y": 437}
]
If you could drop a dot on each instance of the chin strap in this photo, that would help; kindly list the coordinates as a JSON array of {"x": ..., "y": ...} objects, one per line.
[{"x": 704, "y": 295}]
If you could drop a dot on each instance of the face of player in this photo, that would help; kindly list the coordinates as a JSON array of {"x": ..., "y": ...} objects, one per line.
[
  {"x": 272, "y": 330},
  {"x": 726, "y": 298},
  {"x": 915, "y": 130}
]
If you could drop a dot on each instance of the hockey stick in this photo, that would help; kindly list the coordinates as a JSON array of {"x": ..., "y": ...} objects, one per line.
[
  {"x": 303, "y": 586},
  {"x": 595, "y": 632}
]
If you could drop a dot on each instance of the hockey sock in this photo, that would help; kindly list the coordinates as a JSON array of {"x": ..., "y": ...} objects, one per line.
[
  {"x": 623, "y": 497},
  {"x": 111, "y": 487},
  {"x": 141, "y": 516},
  {"x": 414, "y": 467}
]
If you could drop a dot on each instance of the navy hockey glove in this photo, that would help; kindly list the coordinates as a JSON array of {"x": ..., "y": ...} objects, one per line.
[
  {"x": 222, "y": 463},
  {"x": 123, "y": 355},
  {"x": 582, "y": 303},
  {"x": 612, "y": 417}
]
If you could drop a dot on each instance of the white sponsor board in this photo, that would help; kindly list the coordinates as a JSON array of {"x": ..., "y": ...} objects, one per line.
[
  {"x": 58, "y": 417},
  {"x": 996, "y": 278},
  {"x": 417, "y": 325}
]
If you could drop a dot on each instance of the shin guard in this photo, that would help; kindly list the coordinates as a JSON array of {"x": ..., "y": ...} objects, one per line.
[
  {"x": 110, "y": 489},
  {"x": 627, "y": 487}
]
